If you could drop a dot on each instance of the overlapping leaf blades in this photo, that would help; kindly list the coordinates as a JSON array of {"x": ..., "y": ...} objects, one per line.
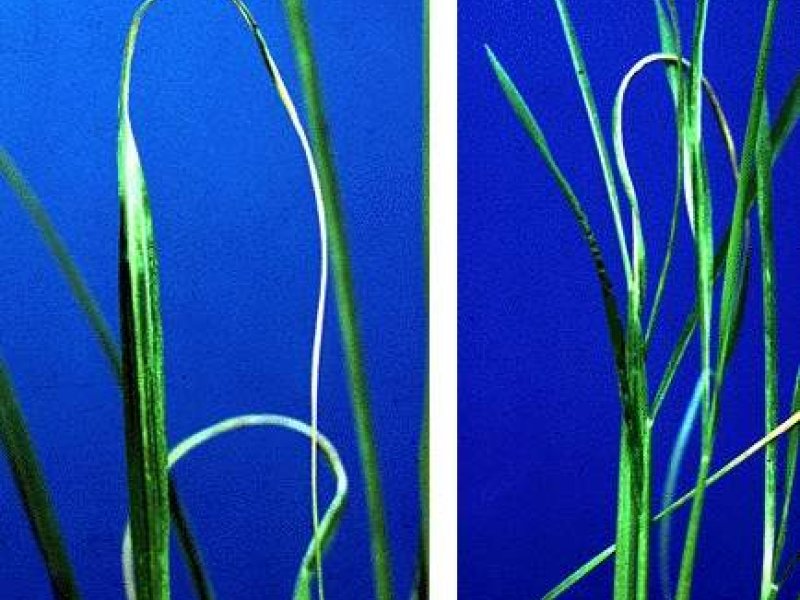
[
  {"x": 142, "y": 338},
  {"x": 731, "y": 260},
  {"x": 328, "y": 524},
  {"x": 142, "y": 373}
]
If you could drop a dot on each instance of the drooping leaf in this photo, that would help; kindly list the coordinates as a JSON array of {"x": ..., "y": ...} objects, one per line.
[
  {"x": 345, "y": 294},
  {"x": 534, "y": 131},
  {"x": 142, "y": 328},
  {"x": 328, "y": 525}
]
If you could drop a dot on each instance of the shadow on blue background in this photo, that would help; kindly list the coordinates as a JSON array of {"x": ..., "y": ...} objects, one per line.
[
  {"x": 236, "y": 228},
  {"x": 538, "y": 411}
]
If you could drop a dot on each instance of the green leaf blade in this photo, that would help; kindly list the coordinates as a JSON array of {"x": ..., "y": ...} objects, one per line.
[
  {"x": 29, "y": 481},
  {"x": 765, "y": 219},
  {"x": 143, "y": 376},
  {"x": 345, "y": 294}
]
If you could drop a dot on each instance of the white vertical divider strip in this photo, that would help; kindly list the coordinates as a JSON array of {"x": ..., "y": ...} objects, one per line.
[{"x": 443, "y": 301}]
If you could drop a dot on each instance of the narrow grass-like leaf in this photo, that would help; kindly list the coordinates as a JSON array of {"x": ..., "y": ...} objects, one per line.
[
  {"x": 201, "y": 584},
  {"x": 345, "y": 294},
  {"x": 787, "y": 118},
  {"x": 684, "y": 338},
  {"x": 667, "y": 261},
  {"x": 143, "y": 359},
  {"x": 746, "y": 174},
  {"x": 788, "y": 481},
  {"x": 700, "y": 203},
  {"x": 534, "y": 131},
  {"x": 633, "y": 498},
  {"x": 585, "y": 569},
  {"x": 675, "y": 460},
  {"x": 626, "y": 478},
  {"x": 132, "y": 178},
  {"x": 732, "y": 285},
  {"x": 622, "y": 163},
  {"x": 764, "y": 202},
  {"x": 328, "y": 524},
  {"x": 29, "y": 481},
  {"x": 58, "y": 249},
  {"x": 102, "y": 330},
  {"x": 670, "y": 37},
  {"x": 579, "y": 66},
  {"x": 580, "y": 573}
]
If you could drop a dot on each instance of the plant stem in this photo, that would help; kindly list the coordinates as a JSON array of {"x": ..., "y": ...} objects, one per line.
[
  {"x": 787, "y": 426},
  {"x": 627, "y": 523},
  {"x": 764, "y": 202},
  {"x": 645, "y": 517}
]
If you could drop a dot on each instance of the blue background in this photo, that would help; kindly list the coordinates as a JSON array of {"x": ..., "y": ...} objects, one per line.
[
  {"x": 236, "y": 228},
  {"x": 538, "y": 412}
]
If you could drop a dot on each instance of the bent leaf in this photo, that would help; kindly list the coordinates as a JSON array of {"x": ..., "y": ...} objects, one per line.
[{"x": 328, "y": 525}]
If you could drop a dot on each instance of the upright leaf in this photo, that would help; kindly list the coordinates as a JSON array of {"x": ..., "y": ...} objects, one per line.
[
  {"x": 142, "y": 358},
  {"x": 29, "y": 481},
  {"x": 345, "y": 295},
  {"x": 764, "y": 202}
]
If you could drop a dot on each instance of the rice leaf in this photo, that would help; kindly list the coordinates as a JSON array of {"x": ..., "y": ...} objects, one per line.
[
  {"x": 627, "y": 480},
  {"x": 787, "y": 117},
  {"x": 132, "y": 178},
  {"x": 675, "y": 460},
  {"x": 699, "y": 198},
  {"x": 667, "y": 261},
  {"x": 534, "y": 131},
  {"x": 198, "y": 575},
  {"x": 58, "y": 249},
  {"x": 734, "y": 249},
  {"x": 670, "y": 36},
  {"x": 787, "y": 426},
  {"x": 580, "y": 573},
  {"x": 316, "y": 351},
  {"x": 345, "y": 294},
  {"x": 143, "y": 361},
  {"x": 788, "y": 481},
  {"x": 764, "y": 202},
  {"x": 579, "y": 66},
  {"x": 29, "y": 481},
  {"x": 328, "y": 524},
  {"x": 731, "y": 287},
  {"x": 624, "y": 170},
  {"x": 102, "y": 330},
  {"x": 725, "y": 130}
]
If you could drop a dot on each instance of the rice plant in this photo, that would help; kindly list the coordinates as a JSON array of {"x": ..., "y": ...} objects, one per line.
[
  {"x": 137, "y": 362},
  {"x": 722, "y": 266}
]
